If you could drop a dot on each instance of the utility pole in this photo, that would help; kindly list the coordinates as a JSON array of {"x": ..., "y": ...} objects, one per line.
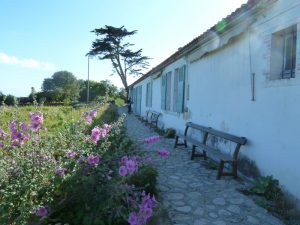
[{"x": 88, "y": 82}]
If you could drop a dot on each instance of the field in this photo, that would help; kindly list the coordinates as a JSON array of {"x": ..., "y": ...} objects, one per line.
[
  {"x": 54, "y": 116},
  {"x": 75, "y": 166}
]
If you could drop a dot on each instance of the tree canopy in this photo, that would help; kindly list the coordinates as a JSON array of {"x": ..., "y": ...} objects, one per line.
[
  {"x": 63, "y": 85},
  {"x": 97, "y": 89},
  {"x": 110, "y": 45}
]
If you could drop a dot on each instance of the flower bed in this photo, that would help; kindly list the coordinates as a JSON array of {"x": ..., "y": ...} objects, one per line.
[{"x": 86, "y": 172}]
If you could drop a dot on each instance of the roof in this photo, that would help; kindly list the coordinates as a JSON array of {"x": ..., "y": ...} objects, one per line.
[{"x": 194, "y": 43}]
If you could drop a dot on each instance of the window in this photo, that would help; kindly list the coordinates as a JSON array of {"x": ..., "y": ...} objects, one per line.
[
  {"x": 283, "y": 53},
  {"x": 149, "y": 94},
  {"x": 179, "y": 89},
  {"x": 166, "y": 91}
]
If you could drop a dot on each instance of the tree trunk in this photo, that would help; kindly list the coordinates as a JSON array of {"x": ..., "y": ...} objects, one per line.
[{"x": 127, "y": 93}]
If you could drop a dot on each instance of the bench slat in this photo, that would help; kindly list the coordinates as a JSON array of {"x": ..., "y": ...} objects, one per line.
[
  {"x": 215, "y": 151},
  {"x": 217, "y": 133}
]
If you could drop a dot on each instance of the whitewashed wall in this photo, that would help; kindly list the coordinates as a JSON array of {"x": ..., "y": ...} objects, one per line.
[{"x": 220, "y": 96}]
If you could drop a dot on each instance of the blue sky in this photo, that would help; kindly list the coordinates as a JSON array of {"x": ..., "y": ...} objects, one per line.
[{"x": 39, "y": 38}]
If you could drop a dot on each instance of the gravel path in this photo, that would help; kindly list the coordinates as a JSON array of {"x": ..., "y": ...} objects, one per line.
[{"x": 190, "y": 192}]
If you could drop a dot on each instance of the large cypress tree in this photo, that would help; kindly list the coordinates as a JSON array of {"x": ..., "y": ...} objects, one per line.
[{"x": 110, "y": 45}]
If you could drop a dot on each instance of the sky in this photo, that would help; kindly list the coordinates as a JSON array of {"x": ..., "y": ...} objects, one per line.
[{"x": 39, "y": 38}]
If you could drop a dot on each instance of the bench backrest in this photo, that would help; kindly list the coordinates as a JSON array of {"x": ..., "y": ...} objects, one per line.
[
  {"x": 155, "y": 115},
  {"x": 217, "y": 133},
  {"x": 147, "y": 113}
]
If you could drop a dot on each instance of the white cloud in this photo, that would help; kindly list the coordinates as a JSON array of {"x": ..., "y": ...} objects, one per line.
[{"x": 26, "y": 63}]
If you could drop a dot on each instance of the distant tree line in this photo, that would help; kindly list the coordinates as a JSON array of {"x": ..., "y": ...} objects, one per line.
[{"x": 64, "y": 88}]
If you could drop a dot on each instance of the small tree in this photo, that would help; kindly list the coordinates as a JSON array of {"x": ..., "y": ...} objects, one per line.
[
  {"x": 110, "y": 45},
  {"x": 62, "y": 85},
  {"x": 32, "y": 96},
  {"x": 2, "y": 98},
  {"x": 11, "y": 100}
]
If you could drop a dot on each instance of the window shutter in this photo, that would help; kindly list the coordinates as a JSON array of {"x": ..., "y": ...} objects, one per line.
[
  {"x": 163, "y": 92},
  {"x": 150, "y": 104},
  {"x": 148, "y": 95},
  {"x": 175, "y": 96},
  {"x": 168, "y": 91},
  {"x": 181, "y": 85},
  {"x": 147, "y": 90},
  {"x": 139, "y": 99}
]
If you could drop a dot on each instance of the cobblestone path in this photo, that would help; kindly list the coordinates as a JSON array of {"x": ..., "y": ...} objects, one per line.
[{"x": 190, "y": 192}]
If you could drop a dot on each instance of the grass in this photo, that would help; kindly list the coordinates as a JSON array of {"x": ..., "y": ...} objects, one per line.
[
  {"x": 119, "y": 102},
  {"x": 210, "y": 164},
  {"x": 54, "y": 116}
]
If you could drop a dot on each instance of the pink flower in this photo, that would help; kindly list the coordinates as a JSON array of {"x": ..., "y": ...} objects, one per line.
[
  {"x": 122, "y": 171},
  {"x": 70, "y": 154},
  {"x": 15, "y": 142},
  {"x": 26, "y": 136},
  {"x": 103, "y": 132},
  {"x": 93, "y": 113},
  {"x": 151, "y": 140},
  {"x": 60, "y": 171},
  {"x": 107, "y": 127},
  {"x": 131, "y": 166},
  {"x": 12, "y": 125},
  {"x": 96, "y": 132},
  {"x": 89, "y": 120},
  {"x": 42, "y": 211},
  {"x": 124, "y": 159},
  {"x": 93, "y": 160},
  {"x": 37, "y": 120},
  {"x": 133, "y": 219},
  {"x": 163, "y": 153},
  {"x": 23, "y": 126},
  {"x": 1, "y": 145},
  {"x": 147, "y": 212},
  {"x": 83, "y": 114}
]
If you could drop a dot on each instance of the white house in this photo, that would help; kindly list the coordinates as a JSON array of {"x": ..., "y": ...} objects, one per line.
[{"x": 242, "y": 76}]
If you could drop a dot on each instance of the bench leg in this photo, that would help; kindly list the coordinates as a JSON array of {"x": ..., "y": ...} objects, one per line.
[
  {"x": 220, "y": 171},
  {"x": 204, "y": 155},
  {"x": 234, "y": 169},
  {"x": 193, "y": 152},
  {"x": 185, "y": 144},
  {"x": 176, "y": 141}
]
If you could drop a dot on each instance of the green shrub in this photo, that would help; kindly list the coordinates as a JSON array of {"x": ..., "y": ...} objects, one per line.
[
  {"x": 272, "y": 197},
  {"x": 266, "y": 186},
  {"x": 11, "y": 100},
  {"x": 145, "y": 178},
  {"x": 170, "y": 133},
  {"x": 119, "y": 102}
]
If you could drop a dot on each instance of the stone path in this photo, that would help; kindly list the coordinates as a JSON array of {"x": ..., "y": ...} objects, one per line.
[{"x": 190, "y": 192}]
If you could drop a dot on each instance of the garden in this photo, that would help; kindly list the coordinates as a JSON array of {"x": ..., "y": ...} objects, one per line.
[{"x": 72, "y": 166}]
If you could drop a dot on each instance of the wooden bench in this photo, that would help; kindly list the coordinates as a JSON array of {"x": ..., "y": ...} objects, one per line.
[
  {"x": 148, "y": 116},
  {"x": 208, "y": 131},
  {"x": 152, "y": 117}
]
